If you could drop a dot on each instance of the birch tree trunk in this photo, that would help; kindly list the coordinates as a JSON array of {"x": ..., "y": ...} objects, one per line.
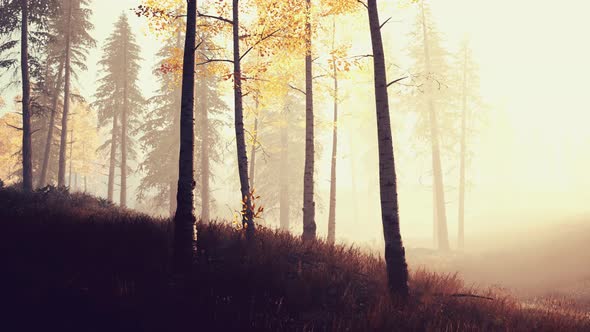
[
  {"x": 184, "y": 219},
  {"x": 309, "y": 225},
  {"x": 49, "y": 139},
  {"x": 397, "y": 269},
  {"x": 61, "y": 174},
  {"x": 248, "y": 214},
  {"x": 26, "y": 102}
]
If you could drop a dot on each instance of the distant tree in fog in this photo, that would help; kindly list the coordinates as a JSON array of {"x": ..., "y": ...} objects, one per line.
[
  {"x": 279, "y": 174},
  {"x": 66, "y": 54},
  {"x": 74, "y": 26},
  {"x": 432, "y": 100},
  {"x": 469, "y": 102},
  {"x": 119, "y": 101},
  {"x": 160, "y": 136}
]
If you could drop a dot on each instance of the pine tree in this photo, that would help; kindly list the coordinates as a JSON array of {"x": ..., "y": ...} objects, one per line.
[
  {"x": 469, "y": 102},
  {"x": 30, "y": 19},
  {"x": 119, "y": 101},
  {"x": 432, "y": 102},
  {"x": 279, "y": 173},
  {"x": 161, "y": 138},
  {"x": 71, "y": 42}
]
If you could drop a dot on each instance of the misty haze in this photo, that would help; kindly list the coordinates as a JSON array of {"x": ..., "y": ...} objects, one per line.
[{"x": 296, "y": 165}]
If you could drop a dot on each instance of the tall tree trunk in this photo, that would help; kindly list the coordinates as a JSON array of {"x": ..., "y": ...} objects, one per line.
[
  {"x": 27, "y": 145},
  {"x": 397, "y": 269},
  {"x": 441, "y": 215},
  {"x": 61, "y": 175},
  {"x": 124, "y": 129},
  {"x": 205, "y": 162},
  {"x": 434, "y": 216},
  {"x": 284, "y": 175},
  {"x": 309, "y": 225},
  {"x": 113, "y": 159},
  {"x": 254, "y": 146},
  {"x": 353, "y": 177},
  {"x": 49, "y": 140},
  {"x": 173, "y": 186},
  {"x": 184, "y": 219},
  {"x": 71, "y": 161},
  {"x": 461, "y": 231},
  {"x": 332, "y": 213},
  {"x": 172, "y": 198},
  {"x": 248, "y": 215}
]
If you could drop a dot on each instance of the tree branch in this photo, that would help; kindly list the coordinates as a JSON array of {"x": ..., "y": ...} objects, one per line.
[
  {"x": 219, "y": 18},
  {"x": 395, "y": 81},
  {"x": 364, "y": 4},
  {"x": 297, "y": 89},
  {"x": 11, "y": 126},
  {"x": 382, "y": 24},
  {"x": 258, "y": 42},
  {"x": 209, "y": 60}
]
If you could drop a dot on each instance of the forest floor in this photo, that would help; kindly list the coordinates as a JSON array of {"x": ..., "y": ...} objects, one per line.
[{"x": 72, "y": 262}]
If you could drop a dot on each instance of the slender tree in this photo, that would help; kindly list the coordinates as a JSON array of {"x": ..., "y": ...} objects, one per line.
[
  {"x": 184, "y": 219},
  {"x": 119, "y": 101},
  {"x": 247, "y": 213},
  {"x": 26, "y": 102},
  {"x": 254, "y": 141},
  {"x": 439, "y": 194},
  {"x": 75, "y": 26},
  {"x": 332, "y": 213},
  {"x": 161, "y": 139},
  {"x": 30, "y": 20},
  {"x": 309, "y": 225},
  {"x": 468, "y": 101},
  {"x": 397, "y": 269}
]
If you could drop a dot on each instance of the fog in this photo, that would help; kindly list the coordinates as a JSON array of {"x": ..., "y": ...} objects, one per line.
[{"x": 526, "y": 201}]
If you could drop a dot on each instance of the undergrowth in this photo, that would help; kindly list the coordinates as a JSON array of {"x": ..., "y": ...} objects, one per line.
[{"x": 75, "y": 262}]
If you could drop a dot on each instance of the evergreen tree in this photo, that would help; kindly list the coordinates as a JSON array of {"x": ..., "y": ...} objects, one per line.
[
  {"x": 279, "y": 173},
  {"x": 119, "y": 101},
  {"x": 71, "y": 41},
  {"x": 30, "y": 19},
  {"x": 468, "y": 102},
  {"x": 433, "y": 103},
  {"x": 161, "y": 140}
]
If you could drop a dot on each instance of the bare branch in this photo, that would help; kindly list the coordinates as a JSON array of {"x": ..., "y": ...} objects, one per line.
[
  {"x": 382, "y": 24},
  {"x": 297, "y": 89},
  {"x": 395, "y": 81},
  {"x": 362, "y": 3},
  {"x": 258, "y": 42},
  {"x": 199, "y": 44},
  {"x": 11, "y": 126},
  {"x": 219, "y": 18},
  {"x": 209, "y": 60}
]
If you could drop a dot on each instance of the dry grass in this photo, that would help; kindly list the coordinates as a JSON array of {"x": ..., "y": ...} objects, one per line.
[{"x": 74, "y": 262}]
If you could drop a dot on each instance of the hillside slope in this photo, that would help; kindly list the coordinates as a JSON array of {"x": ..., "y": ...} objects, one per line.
[{"x": 75, "y": 262}]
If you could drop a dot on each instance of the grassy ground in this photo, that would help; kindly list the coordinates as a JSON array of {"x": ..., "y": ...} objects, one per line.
[{"x": 77, "y": 263}]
